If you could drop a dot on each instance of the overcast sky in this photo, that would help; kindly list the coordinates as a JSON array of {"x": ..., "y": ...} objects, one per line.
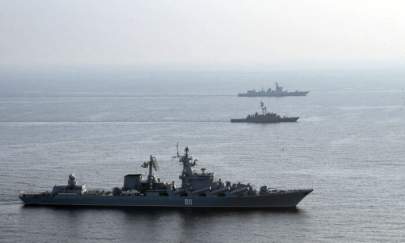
[{"x": 202, "y": 34}]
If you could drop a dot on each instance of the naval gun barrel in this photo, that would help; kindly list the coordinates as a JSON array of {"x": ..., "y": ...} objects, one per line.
[
  {"x": 219, "y": 190},
  {"x": 179, "y": 191},
  {"x": 239, "y": 190},
  {"x": 205, "y": 189}
]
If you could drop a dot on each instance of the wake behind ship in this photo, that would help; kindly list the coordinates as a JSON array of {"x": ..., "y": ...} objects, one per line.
[{"x": 198, "y": 190}]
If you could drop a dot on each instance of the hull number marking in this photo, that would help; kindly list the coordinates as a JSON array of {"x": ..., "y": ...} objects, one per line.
[{"x": 188, "y": 202}]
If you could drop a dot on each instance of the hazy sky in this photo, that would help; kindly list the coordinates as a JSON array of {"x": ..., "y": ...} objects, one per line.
[{"x": 202, "y": 34}]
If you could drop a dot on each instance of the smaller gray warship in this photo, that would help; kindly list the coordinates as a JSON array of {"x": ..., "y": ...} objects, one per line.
[
  {"x": 278, "y": 92},
  {"x": 197, "y": 190},
  {"x": 265, "y": 117}
]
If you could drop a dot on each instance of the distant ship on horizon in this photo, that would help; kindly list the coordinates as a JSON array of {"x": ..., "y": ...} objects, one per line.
[
  {"x": 278, "y": 92},
  {"x": 265, "y": 117}
]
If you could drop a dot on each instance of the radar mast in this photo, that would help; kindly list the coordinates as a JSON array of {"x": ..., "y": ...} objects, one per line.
[
  {"x": 263, "y": 107},
  {"x": 151, "y": 165}
]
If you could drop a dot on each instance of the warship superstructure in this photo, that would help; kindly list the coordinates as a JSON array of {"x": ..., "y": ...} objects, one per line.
[
  {"x": 278, "y": 92},
  {"x": 197, "y": 190},
  {"x": 265, "y": 117}
]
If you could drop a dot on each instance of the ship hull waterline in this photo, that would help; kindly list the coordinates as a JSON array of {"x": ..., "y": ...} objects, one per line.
[
  {"x": 292, "y": 94},
  {"x": 279, "y": 200},
  {"x": 244, "y": 120}
]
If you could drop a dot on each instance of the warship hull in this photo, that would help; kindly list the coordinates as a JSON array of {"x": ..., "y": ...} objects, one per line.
[
  {"x": 252, "y": 120},
  {"x": 279, "y": 199},
  {"x": 274, "y": 94}
]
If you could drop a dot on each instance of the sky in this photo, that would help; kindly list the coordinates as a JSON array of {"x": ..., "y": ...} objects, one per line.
[{"x": 202, "y": 34}]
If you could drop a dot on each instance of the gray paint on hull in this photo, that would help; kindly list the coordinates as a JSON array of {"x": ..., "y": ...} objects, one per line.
[
  {"x": 287, "y": 199},
  {"x": 291, "y": 119}
]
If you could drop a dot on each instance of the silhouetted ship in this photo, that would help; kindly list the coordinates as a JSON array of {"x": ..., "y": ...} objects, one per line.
[
  {"x": 278, "y": 92},
  {"x": 265, "y": 117},
  {"x": 198, "y": 190}
]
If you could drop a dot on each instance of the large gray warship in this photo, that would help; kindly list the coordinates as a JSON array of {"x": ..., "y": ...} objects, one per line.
[
  {"x": 265, "y": 117},
  {"x": 198, "y": 190},
  {"x": 278, "y": 92}
]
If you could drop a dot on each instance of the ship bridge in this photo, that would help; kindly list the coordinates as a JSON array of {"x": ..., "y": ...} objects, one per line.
[{"x": 190, "y": 179}]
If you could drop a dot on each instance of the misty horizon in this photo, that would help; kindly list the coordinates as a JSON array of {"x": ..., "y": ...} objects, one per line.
[{"x": 202, "y": 35}]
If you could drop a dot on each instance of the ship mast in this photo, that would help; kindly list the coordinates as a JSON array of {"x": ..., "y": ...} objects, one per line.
[
  {"x": 151, "y": 165},
  {"x": 278, "y": 87},
  {"x": 188, "y": 163},
  {"x": 263, "y": 107}
]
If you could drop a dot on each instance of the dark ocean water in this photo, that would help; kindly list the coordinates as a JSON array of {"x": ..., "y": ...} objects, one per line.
[{"x": 349, "y": 145}]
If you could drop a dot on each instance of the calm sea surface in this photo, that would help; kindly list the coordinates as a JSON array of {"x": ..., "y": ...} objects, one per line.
[{"x": 349, "y": 145}]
